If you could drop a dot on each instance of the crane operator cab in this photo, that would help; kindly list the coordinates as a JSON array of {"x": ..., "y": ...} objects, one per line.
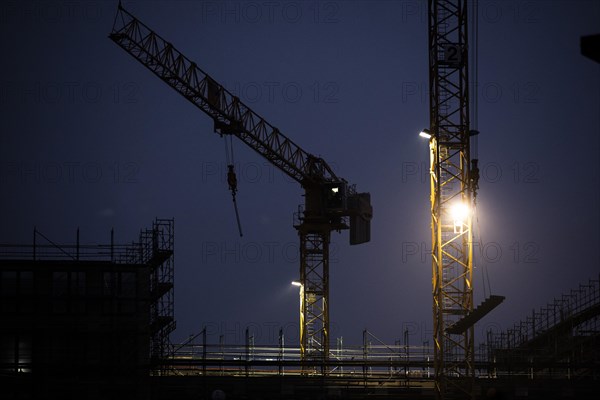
[
  {"x": 335, "y": 197},
  {"x": 341, "y": 200}
]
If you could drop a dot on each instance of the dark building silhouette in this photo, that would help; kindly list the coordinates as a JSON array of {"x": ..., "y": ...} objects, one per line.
[{"x": 82, "y": 321}]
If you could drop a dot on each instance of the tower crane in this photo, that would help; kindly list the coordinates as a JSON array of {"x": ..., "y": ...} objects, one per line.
[
  {"x": 454, "y": 179},
  {"x": 451, "y": 195},
  {"x": 330, "y": 203}
]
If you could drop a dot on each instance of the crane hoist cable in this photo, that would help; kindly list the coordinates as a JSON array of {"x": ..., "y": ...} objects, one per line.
[
  {"x": 474, "y": 179},
  {"x": 474, "y": 134},
  {"x": 232, "y": 178},
  {"x": 485, "y": 274},
  {"x": 475, "y": 64}
]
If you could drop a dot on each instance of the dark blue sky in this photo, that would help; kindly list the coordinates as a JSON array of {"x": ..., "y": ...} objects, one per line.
[{"x": 91, "y": 139}]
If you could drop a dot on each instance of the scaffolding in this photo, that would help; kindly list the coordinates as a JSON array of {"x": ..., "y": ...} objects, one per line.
[
  {"x": 561, "y": 339},
  {"x": 154, "y": 249},
  {"x": 372, "y": 363}
]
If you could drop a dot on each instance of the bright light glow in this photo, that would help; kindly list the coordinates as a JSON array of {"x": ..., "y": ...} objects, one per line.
[
  {"x": 425, "y": 134},
  {"x": 459, "y": 212},
  {"x": 296, "y": 283},
  {"x": 335, "y": 189}
]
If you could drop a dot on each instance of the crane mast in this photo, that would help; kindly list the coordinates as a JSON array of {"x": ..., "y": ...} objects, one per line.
[
  {"x": 330, "y": 204},
  {"x": 452, "y": 197}
]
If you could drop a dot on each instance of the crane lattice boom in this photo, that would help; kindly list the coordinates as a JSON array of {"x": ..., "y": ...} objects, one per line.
[{"x": 230, "y": 115}]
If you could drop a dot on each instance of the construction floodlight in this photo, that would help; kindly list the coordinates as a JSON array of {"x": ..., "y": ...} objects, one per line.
[
  {"x": 459, "y": 212},
  {"x": 425, "y": 133}
]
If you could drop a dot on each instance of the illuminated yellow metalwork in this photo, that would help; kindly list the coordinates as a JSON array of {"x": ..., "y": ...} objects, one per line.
[
  {"x": 451, "y": 197},
  {"x": 314, "y": 291}
]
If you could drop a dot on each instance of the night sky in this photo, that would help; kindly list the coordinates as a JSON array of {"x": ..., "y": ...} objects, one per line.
[{"x": 91, "y": 139}]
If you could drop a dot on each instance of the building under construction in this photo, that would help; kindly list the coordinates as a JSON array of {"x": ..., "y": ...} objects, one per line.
[
  {"x": 93, "y": 321},
  {"x": 80, "y": 321}
]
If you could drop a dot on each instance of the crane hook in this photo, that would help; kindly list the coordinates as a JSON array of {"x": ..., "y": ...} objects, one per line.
[{"x": 232, "y": 182}]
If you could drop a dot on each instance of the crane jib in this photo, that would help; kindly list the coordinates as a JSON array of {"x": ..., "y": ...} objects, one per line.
[
  {"x": 229, "y": 113},
  {"x": 232, "y": 117}
]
